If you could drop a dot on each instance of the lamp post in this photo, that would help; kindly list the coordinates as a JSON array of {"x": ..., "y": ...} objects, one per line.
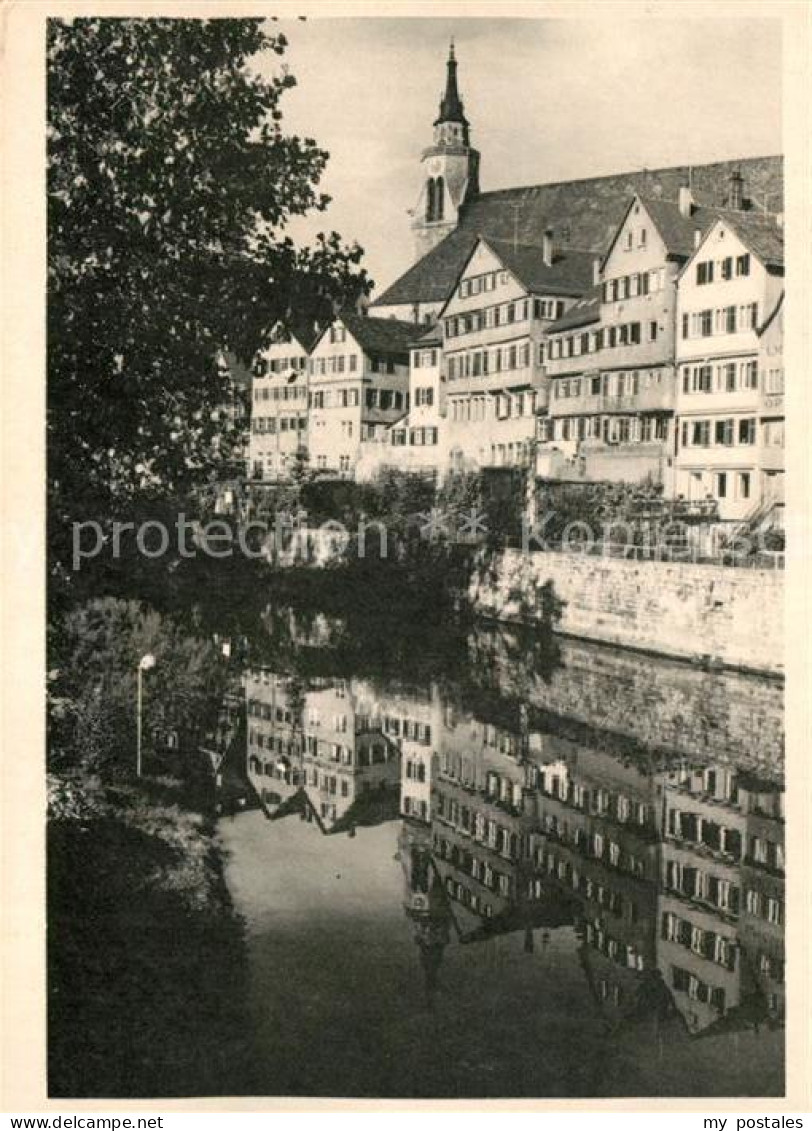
[{"x": 144, "y": 664}]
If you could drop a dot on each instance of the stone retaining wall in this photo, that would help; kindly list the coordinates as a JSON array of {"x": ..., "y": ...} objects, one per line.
[{"x": 727, "y": 616}]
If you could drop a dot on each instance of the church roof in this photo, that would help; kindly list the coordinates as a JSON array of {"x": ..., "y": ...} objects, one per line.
[{"x": 583, "y": 216}]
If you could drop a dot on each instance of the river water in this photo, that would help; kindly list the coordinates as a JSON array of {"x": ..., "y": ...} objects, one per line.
[{"x": 512, "y": 868}]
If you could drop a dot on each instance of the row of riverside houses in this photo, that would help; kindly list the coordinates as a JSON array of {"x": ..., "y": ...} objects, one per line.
[{"x": 621, "y": 328}]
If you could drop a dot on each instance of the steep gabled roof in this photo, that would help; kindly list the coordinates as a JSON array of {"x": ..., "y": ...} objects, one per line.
[
  {"x": 299, "y": 330},
  {"x": 305, "y": 333},
  {"x": 760, "y": 234},
  {"x": 678, "y": 231},
  {"x": 432, "y": 278},
  {"x": 569, "y": 273},
  {"x": 582, "y": 214},
  {"x": 385, "y": 336}
]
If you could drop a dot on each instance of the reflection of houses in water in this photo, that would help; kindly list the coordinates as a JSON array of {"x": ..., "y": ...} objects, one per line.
[
  {"x": 417, "y": 769},
  {"x": 410, "y": 720},
  {"x": 274, "y": 754},
  {"x": 701, "y": 896},
  {"x": 596, "y": 833},
  {"x": 314, "y": 748},
  {"x": 481, "y": 827},
  {"x": 477, "y": 818},
  {"x": 352, "y": 771},
  {"x": 674, "y": 879},
  {"x": 761, "y": 923},
  {"x": 424, "y": 901},
  {"x": 720, "y": 944}
]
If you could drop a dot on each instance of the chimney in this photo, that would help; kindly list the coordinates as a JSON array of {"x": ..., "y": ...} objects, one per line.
[
  {"x": 697, "y": 237},
  {"x": 547, "y": 247},
  {"x": 685, "y": 200},
  {"x": 735, "y": 196},
  {"x": 596, "y": 271}
]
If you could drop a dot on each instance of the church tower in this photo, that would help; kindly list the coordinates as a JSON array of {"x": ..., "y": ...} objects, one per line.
[{"x": 450, "y": 169}]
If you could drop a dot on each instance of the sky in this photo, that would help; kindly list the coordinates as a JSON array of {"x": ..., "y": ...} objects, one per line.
[{"x": 548, "y": 100}]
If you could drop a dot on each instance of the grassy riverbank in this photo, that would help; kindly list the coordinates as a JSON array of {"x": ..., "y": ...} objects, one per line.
[{"x": 147, "y": 987}]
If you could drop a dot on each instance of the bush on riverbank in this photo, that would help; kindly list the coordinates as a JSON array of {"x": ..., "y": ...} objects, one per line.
[
  {"x": 147, "y": 989},
  {"x": 484, "y": 507},
  {"x": 146, "y": 957}
]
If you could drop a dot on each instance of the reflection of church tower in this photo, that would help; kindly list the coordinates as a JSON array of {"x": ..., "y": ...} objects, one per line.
[
  {"x": 425, "y": 904},
  {"x": 450, "y": 170}
]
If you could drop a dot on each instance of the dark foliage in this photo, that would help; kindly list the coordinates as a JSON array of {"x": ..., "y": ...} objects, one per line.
[
  {"x": 147, "y": 987},
  {"x": 170, "y": 182}
]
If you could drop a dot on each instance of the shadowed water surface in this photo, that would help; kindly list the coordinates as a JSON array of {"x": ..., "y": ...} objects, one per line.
[{"x": 454, "y": 888}]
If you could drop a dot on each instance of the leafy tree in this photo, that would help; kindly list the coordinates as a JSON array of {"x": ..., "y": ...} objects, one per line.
[{"x": 170, "y": 182}]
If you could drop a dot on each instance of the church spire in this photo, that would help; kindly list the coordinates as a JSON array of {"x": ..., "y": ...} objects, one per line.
[
  {"x": 451, "y": 105},
  {"x": 450, "y": 169}
]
